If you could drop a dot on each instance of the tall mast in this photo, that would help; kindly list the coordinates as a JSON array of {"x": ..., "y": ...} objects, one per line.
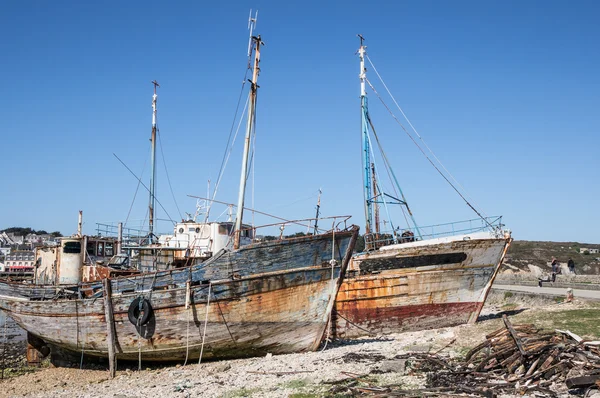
[
  {"x": 153, "y": 168},
  {"x": 366, "y": 163},
  {"x": 256, "y": 43}
]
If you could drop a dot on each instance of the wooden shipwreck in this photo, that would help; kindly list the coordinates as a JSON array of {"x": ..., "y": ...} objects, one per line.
[
  {"x": 418, "y": 277},
  {"x": 270, "y": 297},
  {"x": 235, "y": 297}
]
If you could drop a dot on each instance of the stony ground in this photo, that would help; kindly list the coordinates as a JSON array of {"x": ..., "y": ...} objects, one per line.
[{"x": 302, "y": 375}]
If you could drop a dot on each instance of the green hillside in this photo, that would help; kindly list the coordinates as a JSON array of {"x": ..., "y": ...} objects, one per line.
[{"x": 524, "y": 252}]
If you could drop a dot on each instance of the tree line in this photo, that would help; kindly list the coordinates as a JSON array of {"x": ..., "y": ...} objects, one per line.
[{"x": 20, "y": 231}]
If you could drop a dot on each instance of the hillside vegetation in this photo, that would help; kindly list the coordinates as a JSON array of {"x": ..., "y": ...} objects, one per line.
[{"x": 524, "y": 252}]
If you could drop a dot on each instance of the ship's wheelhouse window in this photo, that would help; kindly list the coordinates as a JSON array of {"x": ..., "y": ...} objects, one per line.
[
  {"x": 91, "y": 248},
  {"x": 100, "y": 251},
  {"x": 108, "y": 249},
  {"x": 72, "y": 247},
  {"x": 225, "y": 229}
]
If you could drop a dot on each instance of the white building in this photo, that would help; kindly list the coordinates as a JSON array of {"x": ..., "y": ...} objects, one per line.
[
  {"x": 582, "y": 250},
  {"x": 19, "y": 261}
]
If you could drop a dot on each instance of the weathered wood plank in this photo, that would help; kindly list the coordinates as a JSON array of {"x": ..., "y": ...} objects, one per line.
[{"x": 110, "y": 328}]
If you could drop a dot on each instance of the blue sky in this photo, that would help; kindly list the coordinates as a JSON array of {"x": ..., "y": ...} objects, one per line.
[{"x": 506, "y": 93}]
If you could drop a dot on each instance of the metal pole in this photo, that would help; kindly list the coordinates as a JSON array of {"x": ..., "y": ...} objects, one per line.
[
  {"x": 317, "y": 216},
  {"x": 120, "y": 238},
  {"x": 80, "y": 223},
  {"x": 375, "y": 204}
]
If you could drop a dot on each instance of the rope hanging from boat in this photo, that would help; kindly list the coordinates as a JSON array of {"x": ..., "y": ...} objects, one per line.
[
  {"x": 428, "y": 158},
  {"x": 205, "y": 322},
  {"x": 188, "y": 310},
  {"x": 464, "y": 197}
]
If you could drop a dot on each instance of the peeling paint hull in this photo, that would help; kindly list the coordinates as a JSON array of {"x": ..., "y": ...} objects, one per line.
[
  {"x": 411, "y": 288},
  {"x": 277, "y": 298}
]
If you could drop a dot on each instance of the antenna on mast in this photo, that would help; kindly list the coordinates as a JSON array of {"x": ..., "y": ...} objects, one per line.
[{"x": 251, "y": 26}]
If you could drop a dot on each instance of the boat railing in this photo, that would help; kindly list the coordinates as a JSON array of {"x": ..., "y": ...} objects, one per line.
[
  {"x": 131, "y": 235},
  {"x": 163, "y": 257},
  {"x": 374, "y": 241},
  {"x": 327, "y": 224}
]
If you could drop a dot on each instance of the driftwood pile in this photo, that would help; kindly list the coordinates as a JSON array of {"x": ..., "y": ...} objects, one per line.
[{"x": 516, "y": 359}]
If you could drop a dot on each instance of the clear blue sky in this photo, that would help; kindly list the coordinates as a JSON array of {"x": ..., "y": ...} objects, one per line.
[{"x": 505, "y": 92}]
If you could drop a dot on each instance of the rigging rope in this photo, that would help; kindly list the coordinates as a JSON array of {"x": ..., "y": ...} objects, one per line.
[
  {"x": 226, "y": 160},
  {"x": 144, "y": 185},
  {"x": 389, "y": 170},
  {"x": 424, "y": 143},
  {"x": 136, "y": 192},
  {"x": 428, "y": 158},
  {"x": 162, "y": 154},
  {"x": 237, "y": 108}
]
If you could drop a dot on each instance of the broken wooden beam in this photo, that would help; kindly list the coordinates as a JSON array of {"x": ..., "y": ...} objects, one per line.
[{"x": 513, "y": 333}]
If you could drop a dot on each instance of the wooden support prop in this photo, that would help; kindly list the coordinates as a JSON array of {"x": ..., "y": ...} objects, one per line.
[
  {"x": 33, "y": 356},
  {"x": 513, "y": 333},
  {"x": 110, "y": 327}
]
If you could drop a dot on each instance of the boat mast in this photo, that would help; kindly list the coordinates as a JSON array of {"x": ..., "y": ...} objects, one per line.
[
  {"x": 256, "y": 43},
  {"x": 153, "y": 168},
  {"x": 365, "y": 139}
]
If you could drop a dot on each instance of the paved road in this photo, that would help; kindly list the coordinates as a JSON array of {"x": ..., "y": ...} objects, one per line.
[{"x": 589, "y": 294}]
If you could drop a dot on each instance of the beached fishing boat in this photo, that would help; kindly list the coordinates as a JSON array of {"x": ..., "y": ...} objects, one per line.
[
  {"x": 417, "y": 277},
  {"x": 243, "y": 300}
]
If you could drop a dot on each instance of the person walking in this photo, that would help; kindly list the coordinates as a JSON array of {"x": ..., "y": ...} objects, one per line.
[
  {"x": 571, "y": 265},
  {"x": 555, "y": 268}
]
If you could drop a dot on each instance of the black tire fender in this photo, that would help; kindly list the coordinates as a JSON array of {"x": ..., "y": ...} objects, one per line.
[{"x": 134, "y": 312}]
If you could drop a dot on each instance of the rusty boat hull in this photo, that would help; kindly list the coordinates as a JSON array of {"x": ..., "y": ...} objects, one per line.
[
  {"x": 418, "y": 285},
  {"x": 272, "y": 297}
]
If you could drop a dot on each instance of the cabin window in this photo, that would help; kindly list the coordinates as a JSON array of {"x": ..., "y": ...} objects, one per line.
[
  {"x": 91, "y": 248},
  {"x": 223, "y": 230},
  {"x": 100, "y": 251},
  {"x": 108, "y": 249},
  {"x": 72, "y": 247}
]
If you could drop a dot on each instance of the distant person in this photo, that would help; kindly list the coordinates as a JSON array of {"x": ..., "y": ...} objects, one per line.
[
  {"x": 555, "y": 268},
  {"x": 571, "y": 265}
]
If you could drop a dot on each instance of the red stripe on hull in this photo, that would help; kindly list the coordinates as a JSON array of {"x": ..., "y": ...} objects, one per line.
[{"x": 354, "y": 322}]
